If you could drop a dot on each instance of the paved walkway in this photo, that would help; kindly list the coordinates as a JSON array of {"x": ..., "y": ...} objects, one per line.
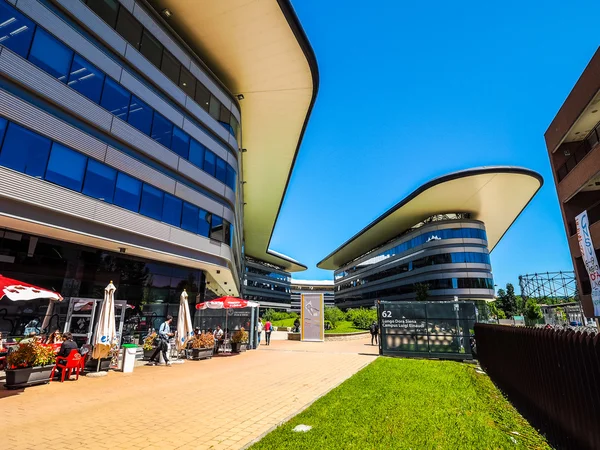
[{"x": 223, "y": 403}]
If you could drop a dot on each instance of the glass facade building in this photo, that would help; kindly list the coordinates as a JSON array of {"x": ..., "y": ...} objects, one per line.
[
  {"x": 448, "y": 258},
  {"x": 119, "y": 159},
  {"x": 267, "y": 284}
]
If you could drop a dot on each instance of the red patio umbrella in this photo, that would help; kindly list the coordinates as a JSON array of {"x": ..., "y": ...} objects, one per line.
[
  {"x": 17, "y": 290},
  {"x": 227, "y": 303}
]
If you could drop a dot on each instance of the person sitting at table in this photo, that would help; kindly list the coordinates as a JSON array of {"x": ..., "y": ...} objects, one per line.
[
  {"x": 54, "y": 338},
  {"x": 30, "y": 338},
  {"x": 68, "y": 345}
]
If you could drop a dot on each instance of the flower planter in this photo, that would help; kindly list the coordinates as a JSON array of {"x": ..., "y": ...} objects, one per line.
[
  {"x": 202, "y": 353},
  {"x": 91, "y": 365},
  {"x": 243, "y": 347},
  {"x": 148, "y": 354},
  {"x": 20, "y": 378},
  {"x": 235, "y": 347}
]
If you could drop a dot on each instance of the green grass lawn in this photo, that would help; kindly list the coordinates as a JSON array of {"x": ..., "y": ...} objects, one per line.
[
  {"x": 409, "y": 404},
  {"x": 345, "y": 327}
]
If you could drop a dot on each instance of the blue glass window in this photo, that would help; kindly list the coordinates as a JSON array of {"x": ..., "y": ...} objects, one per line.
[
  {"x": 162, "y": 130},
  {"x": 216, "y": 228},
  {"x": 50, "y": 55},
  {"x": 221, "y": 170},
  {"x": 3, "y": 126},
  {"x": 171, "y": 213},
  {"x": 181, "y": 143},
  {"x": 231, "y": 177},
  {"x": 100, "y": 181},
  {"x": 189, "y": 218},
  {"x": 16, "y": 31},
  {"x": 197, "y": 153},
  {"x": 140, "y": 115},
  {"x": 209, "y": 162},
  {"x": 86, "y": 79},
  {"x": 66, "y": 167},
  {"x": 128, "y": 192},
  {"x": 25, "y": 151},
  {"x": 204, "y": 220},
  {"x": 152, "y": 202},
  {"x": 226, "y": 232},
  {"x": 115, "y": 99}
]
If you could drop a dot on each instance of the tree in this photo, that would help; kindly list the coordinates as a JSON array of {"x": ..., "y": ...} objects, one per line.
[
  {"x": 560, "y": 314},
  {"x": 507, "y": 301},
  {"x": 335, "y": 315},
  {"x": 533, "y": 312},
  {"x": 422, "y": 291}
]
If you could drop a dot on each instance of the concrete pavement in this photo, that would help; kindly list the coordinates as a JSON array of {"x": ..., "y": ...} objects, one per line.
[{"x": 223, "y": 403}]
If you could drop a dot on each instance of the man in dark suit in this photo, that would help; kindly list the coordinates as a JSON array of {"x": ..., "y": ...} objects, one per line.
[{"x": 68, "y": 345}]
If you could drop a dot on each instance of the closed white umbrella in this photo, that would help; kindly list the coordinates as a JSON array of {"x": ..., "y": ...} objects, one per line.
[
  {"x": 184, "y": 322},
  {"x": 105, "y": 334}
]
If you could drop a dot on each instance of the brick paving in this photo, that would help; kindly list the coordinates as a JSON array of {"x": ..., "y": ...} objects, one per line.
[{"x": 223, "y": 403}]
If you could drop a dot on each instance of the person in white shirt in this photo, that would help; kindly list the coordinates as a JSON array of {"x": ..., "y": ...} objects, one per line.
[
  {"x": 259, "y": 329},
  {"x": 218, "y": 335}
]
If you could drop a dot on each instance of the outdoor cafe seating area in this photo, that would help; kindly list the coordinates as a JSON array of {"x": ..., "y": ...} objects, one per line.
[{"x": 39, "y": 352}]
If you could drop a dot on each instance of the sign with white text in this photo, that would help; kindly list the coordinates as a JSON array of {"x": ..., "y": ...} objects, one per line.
[
  {"x": 588, "y": 253},
  {"x": 312, "y": 314}
]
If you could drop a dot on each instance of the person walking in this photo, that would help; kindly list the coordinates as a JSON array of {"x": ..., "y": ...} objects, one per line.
[
  {"x": 259, "y": 330},
  {"x": 374, "y": 329},
  {"x": 164, "y": 334},
  {"x": 268, "y": 330}
]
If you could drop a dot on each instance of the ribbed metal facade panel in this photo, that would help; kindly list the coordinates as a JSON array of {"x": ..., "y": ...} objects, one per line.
[
  {"x": 201, "y": 177},
  {"x": 147, "y": 95},
  {"x": 143, "y": 143},
  {"x": 233, "y": 142},
  {"x": 127, "y": 4},
  {"x": 135, "y": 168},
  {"x": 25, "y": 73},
  {"x": 190, "y": 240},
  {"x": 230, "y": 195},
  {"x": 136, "y": 223},
  {"x": 195, "y": 198},
  {"x": 27, "y": 115},
  {"x": 60, "y": 29},
  {"x": 228, "y": 215},
  {"x": 146, "y": 67},
  {"x": 163, "y": 37},
  {"x": 232, "y": 160},
  {"x": 203, "y": 138},
  {"x": 95, "y": 24}
]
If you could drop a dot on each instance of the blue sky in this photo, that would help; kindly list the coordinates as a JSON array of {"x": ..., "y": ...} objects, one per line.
[{"x": 413, "y": 90}]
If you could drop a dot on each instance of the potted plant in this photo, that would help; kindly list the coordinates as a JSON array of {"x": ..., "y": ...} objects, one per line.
[
  {"x": 29, "y": 364},
  {"x": 149, "y": 346},
  {"x": 203, "y": 346},
  {"x": 239, "y": 340}
]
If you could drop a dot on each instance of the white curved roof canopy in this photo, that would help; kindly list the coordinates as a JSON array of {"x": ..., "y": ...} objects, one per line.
[
  {"x": 496, "y": 195},
  {"x": 257, "y": 48}
]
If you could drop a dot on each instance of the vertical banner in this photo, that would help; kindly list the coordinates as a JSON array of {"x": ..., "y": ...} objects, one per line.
[
  {"x": 586, "y": 246},
  {"x": 312, "y": 313}
]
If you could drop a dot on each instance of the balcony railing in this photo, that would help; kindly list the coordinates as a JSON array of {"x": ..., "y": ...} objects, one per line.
[
  {"x": 586, "y": 146},
  {"x": 593, "y": 217}
]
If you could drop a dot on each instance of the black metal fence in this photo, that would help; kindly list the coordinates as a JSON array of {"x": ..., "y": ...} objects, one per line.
[
  {"x": 426, "y": 329},
  {"x": 552, "y": 377}
]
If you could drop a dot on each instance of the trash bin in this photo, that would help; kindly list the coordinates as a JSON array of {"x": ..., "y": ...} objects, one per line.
[{"x": 129, "y": 351}]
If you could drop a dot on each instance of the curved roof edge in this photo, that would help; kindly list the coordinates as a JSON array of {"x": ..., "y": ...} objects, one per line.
[
  {"x": 289, "y": 13},
  {"x": 467, "y": 198}
]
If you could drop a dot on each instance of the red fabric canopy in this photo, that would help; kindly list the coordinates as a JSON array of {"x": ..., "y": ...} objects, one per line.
[
  {"x": 226, "y": 303},
  {"x": 17, "y": 290}
]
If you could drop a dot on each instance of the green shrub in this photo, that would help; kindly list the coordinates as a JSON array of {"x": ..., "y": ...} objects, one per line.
[
  {"x": 272, "y": 315},
  {"x": 334, "y": 315},
  {"x": 362, "y": 318}
]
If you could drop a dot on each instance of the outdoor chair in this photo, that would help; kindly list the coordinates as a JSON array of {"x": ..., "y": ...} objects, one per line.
[{"x": 72, "y": 362}]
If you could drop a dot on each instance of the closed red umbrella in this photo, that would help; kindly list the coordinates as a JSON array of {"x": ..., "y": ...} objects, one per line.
[{"x": 17, "y": 290}]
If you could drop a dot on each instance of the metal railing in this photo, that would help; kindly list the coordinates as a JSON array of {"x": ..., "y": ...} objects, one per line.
[
  {"x": 590, "y": 141},
  {"x": 552, "y": 377}
]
